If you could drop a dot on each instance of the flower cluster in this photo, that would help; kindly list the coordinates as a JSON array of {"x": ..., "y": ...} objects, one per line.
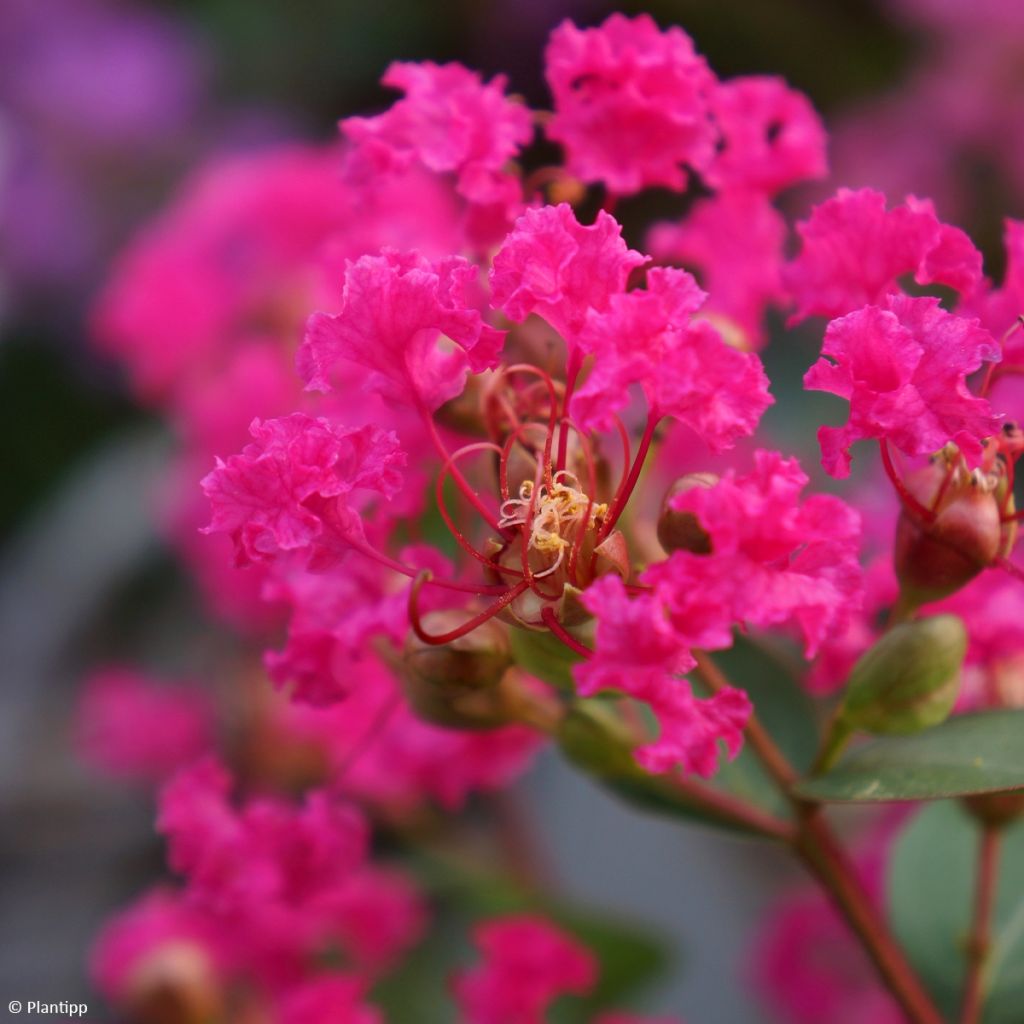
[{"x": 434, "y": 400}]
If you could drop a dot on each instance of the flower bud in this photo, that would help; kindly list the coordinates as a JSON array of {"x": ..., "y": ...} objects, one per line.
[
  {"x": 174, "y": 984},
  {"x": 909, "y": 680},
  {"x": 681, "y": 530},
  {"x": 458, "y": 684},
  {"x": 935, "y": 559}
]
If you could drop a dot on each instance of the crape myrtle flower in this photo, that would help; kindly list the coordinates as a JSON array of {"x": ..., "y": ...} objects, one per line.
[
  {"x": 630, "y": 87},
  {"x": 328, "y": 999},
  {"x": 775, "y": 558},
  {"x": 163, "y": 948},
  {"x": 734, "y": 243},
  {"x": 395, "y": 307},
  {"x": 133, "y": 727},
  {"x": 448, "y": 121},
  {"x": 288, "y": 491},
  {"x": 638, "y": 653},
  {"x": 559, "y": 269},
  {"x": 902, "y": 365},
  {"x": 770, "y": 137},
  {"x": 853, "y": 251},
  {"x": 686, "y": 371},
  {"x": 527, "y": 964},
  {"x": 290, "y": 881}
]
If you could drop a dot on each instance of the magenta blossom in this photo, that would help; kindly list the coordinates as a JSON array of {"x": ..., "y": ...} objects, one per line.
[
  {"x": 290, "y": 490},
  {"x": 902, "y": 366},
  {"x": 854, "y": 251},
  {"x": 559, "y": 269},
  {"x": 527, "y": 964},
  {"x": 631, "y": 103},
  {"x": 685, "y": 369},
  {"x": 733, "y": 242},
  {"x": 395, "y": 309},
  {"x": 328, "y": 999},
  {"x": 133, "y": 727},
  {"x": 448, "y": 121},
  {"x": 640, "y": 654},
  {"x": 774, "y": 558},
  {"x": 771, "y": 137}
]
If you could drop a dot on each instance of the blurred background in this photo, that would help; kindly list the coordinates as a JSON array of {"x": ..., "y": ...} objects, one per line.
[{"x": 105, "y": 105}]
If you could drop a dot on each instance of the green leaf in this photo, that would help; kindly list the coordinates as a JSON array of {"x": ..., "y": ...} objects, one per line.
[
  {"x": 545, "y": 656},
  {"x": 980, "y": 753},
  {"x": 931, "y": 898}
]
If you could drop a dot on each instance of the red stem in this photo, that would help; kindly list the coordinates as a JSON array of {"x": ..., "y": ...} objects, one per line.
[
  {"x": 471, "y": 495},
  {"x": 925, "y": 514},
  {"x": 406, "y": 570},
  {"x": 572, "y": 371},
  {"x": 980, "y": 942},
  {"x": 622, "y": 495},
  {"x": 440, "y": 639},
  {"x": 550, "y": 620}
]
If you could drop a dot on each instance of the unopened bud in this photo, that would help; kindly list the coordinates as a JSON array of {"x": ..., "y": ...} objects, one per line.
[
  {"x": 681, "y": 530},
  {"x": 174, "y": 984},
  {"x": 458, "y": 684},
  {"x": 909, "y": 680},
  {"x": 567, "y": 189},
  {"x": 935, "y": 559}
]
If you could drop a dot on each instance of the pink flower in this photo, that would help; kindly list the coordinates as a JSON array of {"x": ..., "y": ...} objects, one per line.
[
  {"x": 992, "y": 608},
  {"x": 733, "y": 242},
  {"x": 854, "y": 250},
  {"x": 773, "y": 558},
  {"x": 639, "y": 653},
  {"x": 244, "y": 237},
  {"x": 267, "y": 855},
  {"x": 290, "y": 880},
  {"x": 631, "y": 103},
  {"x": 527, "y": 964},
  {"x": 403, "y": 762},
  {"x": 684, "y": 367},
  {"x": 411, "y": 761},
  {"x": 689, "y": 729},
  {"x": 334, "y": 616},
  {"x": 162, "y": 939},
  {"x": 449, "y": 120},
  {"x": 377, "y": 915},
  {"x": 327, "y": 999},
  {"x": 559, "y": 269},
  {"x": 636, "y": 646},
  {"x": 998, "y": 308},
  {"x": 902, "y": 367},
  {"x": 292, "y": 489},
  {"x": 395, "y": 308},
  {"x": 132, "y": 727},
  {"x": 771, "y": 136}
]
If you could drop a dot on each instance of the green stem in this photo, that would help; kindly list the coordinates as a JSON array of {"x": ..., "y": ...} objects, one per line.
[{"x": 839, "y": 734}]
